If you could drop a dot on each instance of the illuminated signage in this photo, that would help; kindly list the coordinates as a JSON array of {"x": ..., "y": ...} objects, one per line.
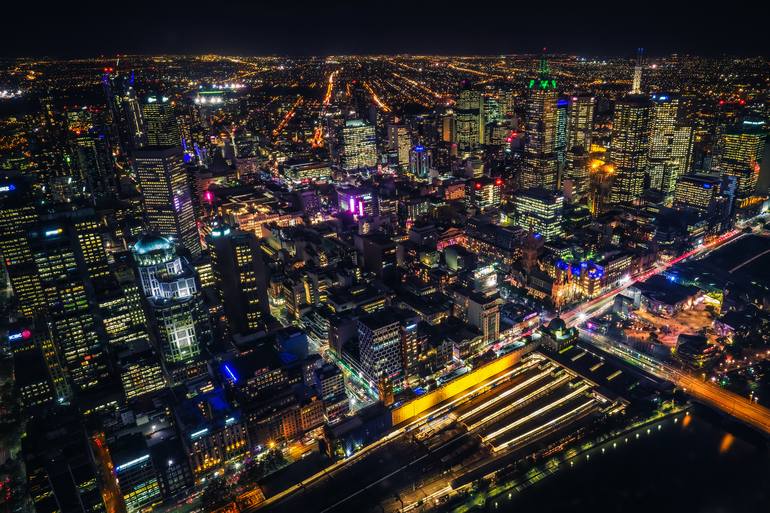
[
  {"x": 54, "y": 232},
  {"x": 19, "y": 335},
  {"x": 7, "y": 188}
]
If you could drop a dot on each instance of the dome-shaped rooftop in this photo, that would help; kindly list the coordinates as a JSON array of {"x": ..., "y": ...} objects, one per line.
[
  {"x": 151, "y": 243},
  {"x": 557, "y": 324}
]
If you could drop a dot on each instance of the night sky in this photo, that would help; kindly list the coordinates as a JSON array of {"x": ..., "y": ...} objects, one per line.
[{"x": 87, "y": 28}]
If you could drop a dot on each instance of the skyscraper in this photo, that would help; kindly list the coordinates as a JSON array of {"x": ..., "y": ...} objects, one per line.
[
  {"x": 670, "y": 145},
  {"x": 400, "y": 142},
  {"x": 469, "y": 128},
  {"x": 420, "y": 161},
  {"x": 67, "y": 309},
  {"x": 359, "y": 145},
  {"x": 170, "y": 286},
  {"x": 562, "y": 120},
  {"x": 241, "y": 278},
  {"x": 739, "y": 154},
  {"x": 540, "y": 159},
  {"x": 161, "y": 128},
  {"x": 540, "y": 211},
  {"x": 580, "y": 120},
  {"x": 166, "y": 195},
  {"x": 629, "y": 148}
]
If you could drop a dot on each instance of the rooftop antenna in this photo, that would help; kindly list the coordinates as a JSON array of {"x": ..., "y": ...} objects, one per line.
[{"x": 636, "y": 87}]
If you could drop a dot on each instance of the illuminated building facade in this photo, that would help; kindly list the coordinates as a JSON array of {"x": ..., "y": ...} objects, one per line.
[
  {"x": 540, "y": 211},
  {"x": 420, "y": 162},
  {"x": 581, "y": 121},
  {"x": 358, "y": 201},
  {"x": 670, "y": 150},
  {"x": 170, "y": 286},
  {"x": 697, "y": 191},
  {"x": 359, "y": 146},
  {"x": 484, "y": 193},
  {"x": 469, "y": 128},
  {"x": 240, "y": 277},
  {"x": 541, "y": 164},
  {"x": 161, "y": 128},
  {"x": 739, "y": 154},
  {"x": 629, "y": 149},
  {"x": 166, "y": 195},
  {"x": 400, "y": 141}
]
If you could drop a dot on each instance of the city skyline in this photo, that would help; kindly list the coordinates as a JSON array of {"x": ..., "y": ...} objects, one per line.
[{"x": 389, "y": 283}]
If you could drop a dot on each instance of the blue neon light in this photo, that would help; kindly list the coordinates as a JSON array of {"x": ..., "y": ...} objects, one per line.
[
  {"x": 419, "y": 148},
  {"x": 231, "y": 373},
  {"x": 707, "y": 186}
]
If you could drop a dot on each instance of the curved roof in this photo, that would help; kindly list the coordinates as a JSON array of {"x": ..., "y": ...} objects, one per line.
[
  {"x": 151, "y": 243},
  {"x": 557, "y": 324}
]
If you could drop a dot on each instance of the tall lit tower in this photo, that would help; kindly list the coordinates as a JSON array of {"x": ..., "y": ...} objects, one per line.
[
  {"x": 670, "y": 145},
  {"x": 161, "y": 128},
  {"x": 540, "y": 160},
  {"x": 469, "y": 129},
  {"x": 739, "y": 154},
  {"x": 580, "y": 120},
  {"x": 629, "y": 147},
  {"x": 166, "y": 195},
  {"x": 171, "y": 288},
  {"x": 636, "y": 85}
]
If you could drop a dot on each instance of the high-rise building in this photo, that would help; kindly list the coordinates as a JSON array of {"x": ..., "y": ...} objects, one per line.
[
  {"x": 240, "y": 277},
  {"x": 469, "y": 126},
  {"x": 67, "y": 309},
  {"x": 380, "y": 344},
  {"x": 95, "y": 163},
  {"x": 670, "y": 145},
  {"x": 135, "y": 473},
  {"x": 17, "y": 215},
  {"x": 541, "y": 165},
  {"x": 699, "y": 192},
  {"x": 400, "y": 141},
  {"x": 562, "y": 120},
  {"x": 359, "y": 145},
  {"x": 629, "y": 148},
  {"x": 166, "y": 195},
  {"x": 540, "y": 211},
  {"x": 420, "y": 161},
  {"x": 170, "y": 287},
  {"x": 483, "y": 193},
  {"x": 161, "y": 128},
  {"x": 581, "y": 121},
  {"x": 739, "y": 153}
]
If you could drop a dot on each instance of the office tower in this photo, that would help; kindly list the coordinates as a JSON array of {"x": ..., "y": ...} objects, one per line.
[
  {"x": 490, "y": 110},
  {"x": 540, "y": 211},
  {"x": 400, "y": 141},
  {"x": 739, "y": 153},
  {"x": 636, "y": 84},
  {"x": 240, "y": 278},
  {"x": 67, "y": 303},
  {"x": 94, "y": 158},
  {"x": 420, "y": 162},
  {"x": 540, "y": 160},
  {"x": 506, "y": 102},
  {"x": 140, "y": 371},
  {"x": 135, "y": 473},
  {"x": 562, "y": 120},
  {"x": 379, "y": 342},
  {"x": 359, "y": 145},
  {"x": 629, "y": 148},
  {"x": 170, "y": 287},
  {"x": 469, "y": 128},
  {"x": 120, "y": 311},
  {"x": 161, "y": 128},
  {"x": 699, "y": 192},
  {"x": 166, "y": 195},
  {"x": 17, "y": 215},
  {"x": 483, "y": 193},
  {"x": 580, "y": 121},
  {"x": 447, "y": 126},
  {"x": 87, "y": 230},
  {"x": 670, "y": 145},
  {"x": 477, "y": 302},
  {"x": 576, "y": 175}
]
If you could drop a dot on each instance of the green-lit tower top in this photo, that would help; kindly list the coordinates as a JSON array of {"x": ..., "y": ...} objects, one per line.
[{"x": 544, "y": 79}]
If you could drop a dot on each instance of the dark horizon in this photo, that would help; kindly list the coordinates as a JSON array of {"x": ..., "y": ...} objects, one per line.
[{"x": 348, "y": 28}]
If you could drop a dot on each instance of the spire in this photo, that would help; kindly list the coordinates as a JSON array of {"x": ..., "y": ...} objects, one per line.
[
  {"x": 636, "y": 86},
  {"x": 544, "y": 80},
  {"x": 544, "y": 70}
]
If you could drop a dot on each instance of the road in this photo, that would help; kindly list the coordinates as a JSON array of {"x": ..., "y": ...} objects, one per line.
[
  {"x": 729, "y": 402},
  {"x": 593, "y": 307}
]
